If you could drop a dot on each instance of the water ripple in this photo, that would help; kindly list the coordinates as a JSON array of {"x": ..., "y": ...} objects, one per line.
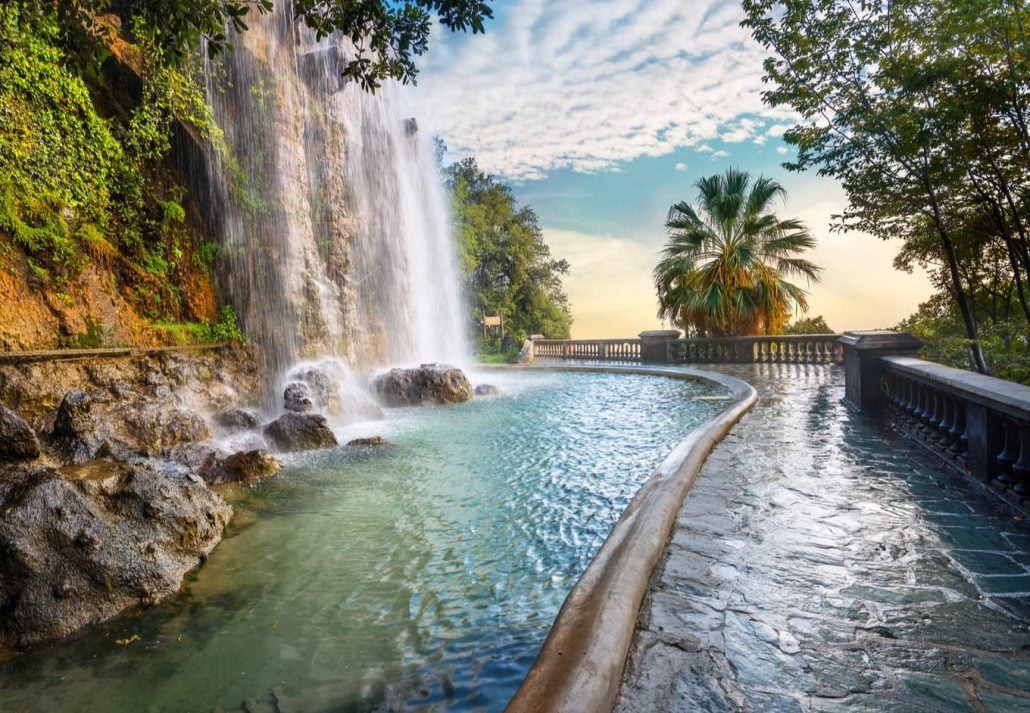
[{"x": 422, "y": 576}]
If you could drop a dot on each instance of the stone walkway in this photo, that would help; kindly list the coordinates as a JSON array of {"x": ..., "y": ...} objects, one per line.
[{"x": 821, "y": 565}]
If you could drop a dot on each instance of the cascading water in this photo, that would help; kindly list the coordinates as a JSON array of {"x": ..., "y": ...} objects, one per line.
[{"x": 334, "y": 224}]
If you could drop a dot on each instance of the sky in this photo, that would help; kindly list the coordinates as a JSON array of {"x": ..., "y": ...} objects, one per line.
[{"x": 603, "y": 113}]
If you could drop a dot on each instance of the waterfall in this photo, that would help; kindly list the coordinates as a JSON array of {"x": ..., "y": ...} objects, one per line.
[{"x": 334, "y": 226}]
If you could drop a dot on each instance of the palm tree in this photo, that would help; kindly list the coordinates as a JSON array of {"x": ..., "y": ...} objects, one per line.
[{"x": 724, "y": 269}]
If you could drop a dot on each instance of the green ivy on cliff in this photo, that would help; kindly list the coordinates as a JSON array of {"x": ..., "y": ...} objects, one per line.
[
  {"x": 58, "y": 158},
  {"x": 82, "y": 171}
]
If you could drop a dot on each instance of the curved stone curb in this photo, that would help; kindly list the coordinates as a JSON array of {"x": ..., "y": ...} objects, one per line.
[{"x": 579, "y": 669}]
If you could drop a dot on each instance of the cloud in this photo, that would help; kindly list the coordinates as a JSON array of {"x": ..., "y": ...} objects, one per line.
[
  {"x": 680, "y": 167},
  {"x": 781, "y": 150},
  {"x": 720, "y": 154},
  {"x": 585, "y": 86}
]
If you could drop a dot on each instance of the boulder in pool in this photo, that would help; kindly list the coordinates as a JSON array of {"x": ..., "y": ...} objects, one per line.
[
  {"x": 297, "y": 398},
  {"x": 243, "y": 467},
  {"x": 79, "y": 552},
  {"x": 300, "y": 432},
  {"x": 374, "y": 441},
  {"x": 487, "y": 390},
  {"x": 17, "y": 439},
  {"x": 426, "y": 385}
]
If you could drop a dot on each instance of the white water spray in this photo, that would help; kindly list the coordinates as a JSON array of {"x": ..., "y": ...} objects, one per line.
[{"x": 334, "y": 225}]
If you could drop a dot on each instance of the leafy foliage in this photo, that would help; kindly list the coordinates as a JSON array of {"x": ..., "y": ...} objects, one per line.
[
  {"x": 78, "y": 185},
  {"x": 723, "y": 271},
  {"x": 227, "y": 329},
  {"x": 809, "y": 325},
  {"x": 938, "y": 323},
  {"x": 388, "y": 34},
  {"x": 920, "y": 109},
  {"x": 507, "y": 266}
]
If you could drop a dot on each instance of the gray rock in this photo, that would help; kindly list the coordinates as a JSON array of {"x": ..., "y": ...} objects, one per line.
[
  {"x": 297, "y": 398},
  {"x": 323, "y": 391},
  {"x": 76, "y": 435},
  {"x": 156, "y": 429},
  {"x": 198, "y": 456},
  {"x": 242, "y": 467},
  {"x": 427, "y": 384},
  {"x": 487, "y": 390},
  {"x": 370, "y": 441},
  {"x": 300, "y": 432},
  {"x": 237, "y": 419},
  {"x": 79, "y": 552},
  {"x": 17, "y": 439}
]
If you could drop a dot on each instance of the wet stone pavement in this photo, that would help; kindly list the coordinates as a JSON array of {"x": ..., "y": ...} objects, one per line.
[{"x": 820, "y": 564}]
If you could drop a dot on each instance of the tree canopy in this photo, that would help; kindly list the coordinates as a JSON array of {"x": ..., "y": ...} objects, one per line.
[
  {"x": 507, "y": 266},
  {"x": 809, "y": 325},
  {"x": 388, "y": 34},
  {"x": 724, "y": 269},
  {"x": 920, "y": 109}
]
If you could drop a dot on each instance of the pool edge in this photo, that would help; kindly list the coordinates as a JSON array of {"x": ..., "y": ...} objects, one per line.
[{"x": 581, "y": 664}]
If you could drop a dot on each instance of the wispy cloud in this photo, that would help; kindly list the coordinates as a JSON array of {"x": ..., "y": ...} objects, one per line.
[
  {"x": 680, "y": 167},
  {"x": 586, "y": 85}
]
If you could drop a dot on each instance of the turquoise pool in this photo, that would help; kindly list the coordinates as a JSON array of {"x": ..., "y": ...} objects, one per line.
[{"x": 423, "y": 575}]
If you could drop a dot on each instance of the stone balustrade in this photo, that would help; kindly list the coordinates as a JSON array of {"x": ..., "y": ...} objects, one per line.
[
  {"x": 794, "y": 349},
  {"x": 978, "y": 425},
  {"x": 598, "y": 349},
  {"x": 667, "y": 347}
]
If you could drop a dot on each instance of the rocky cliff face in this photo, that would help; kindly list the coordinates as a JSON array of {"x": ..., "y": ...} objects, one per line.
[
  {"x": 124, "y": 390},
  {"x": 88, "y": 309}
]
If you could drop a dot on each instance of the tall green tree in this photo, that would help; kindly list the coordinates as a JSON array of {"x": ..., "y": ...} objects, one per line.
[
  {"x": 507, "y": 266},
  {"x": 919, "y": 109},
  {"x": 388, "y": 34},
  {"x": 725, "y": 269}
]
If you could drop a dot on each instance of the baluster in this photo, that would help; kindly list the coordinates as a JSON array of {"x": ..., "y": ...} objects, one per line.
[
  {"x": 947, "y": 421},
  {"x": 958, "y": 427},
  {"x": 940, "y": 408},
  {"x": 905, "y": 420},
  {"x": 912, "y": 405},
  {"x": 1009, "y": 454},
  {"x": 1021, "y": 468},
  {"x": 927, "y": 410}
]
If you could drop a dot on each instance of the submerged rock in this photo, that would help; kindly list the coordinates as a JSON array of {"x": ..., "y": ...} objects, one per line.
[
  {"x": 424, "y": 385},
  {"x": 79, "y": 552},
  {"x": 370, "y": 441},
  {"x": 243, "y": 467},
  {"x": 297, "y": 398},
  {"x": 487, "y": 390},
  {"x": 300, "y": 432},
  {"x": 17, "y": 439},
  {"x": 237, "y": 419}
]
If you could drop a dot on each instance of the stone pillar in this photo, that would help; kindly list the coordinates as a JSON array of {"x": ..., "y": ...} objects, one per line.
[
  {"x": 862, "y": 369},
  {"x": 654, "y": 344}
]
